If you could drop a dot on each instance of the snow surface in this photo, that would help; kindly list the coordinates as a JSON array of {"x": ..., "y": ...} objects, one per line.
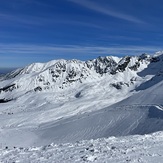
[
  {"x": 77, "y": 104},
  {"x": 133, "y": 149}
]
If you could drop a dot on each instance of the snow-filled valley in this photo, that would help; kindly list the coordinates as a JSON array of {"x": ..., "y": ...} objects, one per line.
[{"x": 108, "y": 109}]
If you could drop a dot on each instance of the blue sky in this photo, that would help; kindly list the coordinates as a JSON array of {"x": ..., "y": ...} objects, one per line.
[{"x": 42, "y": 30}]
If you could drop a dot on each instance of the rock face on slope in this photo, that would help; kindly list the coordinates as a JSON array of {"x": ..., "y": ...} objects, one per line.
[{"x": 62, "y": 74}]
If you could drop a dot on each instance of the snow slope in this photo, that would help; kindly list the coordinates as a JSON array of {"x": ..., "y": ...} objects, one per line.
[
  {"x": 133, "y": 149},
  {"x": 67, "y": 101},
  {"x": 64, "y": 88},
  {"x": 120, "y": 121}
]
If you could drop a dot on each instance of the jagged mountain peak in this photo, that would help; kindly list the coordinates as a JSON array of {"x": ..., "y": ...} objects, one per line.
[{"x": 102, "y": 63}]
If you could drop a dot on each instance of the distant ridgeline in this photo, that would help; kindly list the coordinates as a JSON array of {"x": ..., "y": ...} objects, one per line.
[{"x": 4, "y": 71}]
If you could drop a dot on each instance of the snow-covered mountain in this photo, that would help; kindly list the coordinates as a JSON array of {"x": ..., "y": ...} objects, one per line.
[
  {"x": 61, "y": 75},
  {"x": 65, "y": 101}
]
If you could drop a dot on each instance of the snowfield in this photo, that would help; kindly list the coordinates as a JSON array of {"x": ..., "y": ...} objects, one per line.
[
  {"x": 133, "y": 149},
  {"x": 108, "y": 109},
  {"x": 120, "y": 121}
]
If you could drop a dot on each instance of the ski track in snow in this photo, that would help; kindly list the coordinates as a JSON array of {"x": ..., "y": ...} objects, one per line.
[
  {"x": 112, "y": 121},
  {"x": 120, "y": 121}
]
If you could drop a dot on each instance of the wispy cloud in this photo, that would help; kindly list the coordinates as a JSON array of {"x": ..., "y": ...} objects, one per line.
[
  {"x": 19, "y": 55},
  {"x": 27, "y": 20},
  {"x": 30, "y": 21},
  {"x": 75, "y": 50},
  {"x": 107, "y": 11}
]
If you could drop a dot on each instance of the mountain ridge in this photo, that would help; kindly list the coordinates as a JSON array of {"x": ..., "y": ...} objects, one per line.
[{"x": 65, "y": 72}]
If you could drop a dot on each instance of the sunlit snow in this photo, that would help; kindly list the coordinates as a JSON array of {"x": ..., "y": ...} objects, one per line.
[{"x": 108, "y": 109}]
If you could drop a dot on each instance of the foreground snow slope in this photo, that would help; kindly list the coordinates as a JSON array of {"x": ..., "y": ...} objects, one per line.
[
  {"x": 112, "y": 121},
  {"x": 133, "y": 149}
]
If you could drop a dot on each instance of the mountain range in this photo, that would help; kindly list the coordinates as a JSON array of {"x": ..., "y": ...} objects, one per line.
[{"x": 65, "y": 101}]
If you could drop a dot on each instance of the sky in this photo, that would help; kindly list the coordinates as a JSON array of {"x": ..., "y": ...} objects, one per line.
[{"x": 43, "y": 30}]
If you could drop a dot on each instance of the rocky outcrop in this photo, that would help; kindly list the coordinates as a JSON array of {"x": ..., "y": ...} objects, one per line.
[
  {"x": 102, "y": 64},
  {"x": 8, "y": 88},
  {"x": 4, "y": 100}
]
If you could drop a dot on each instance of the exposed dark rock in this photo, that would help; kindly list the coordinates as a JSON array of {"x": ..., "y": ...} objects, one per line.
[
  {"x": 135, "y": 67},
  {"x": 71, "y": 74},
  {"x": 155, "y": 59},
  {"x": 102, "y": 64},
  {"x": 119, "y": 85},
  {"x": 4, "y": 100},
  {"x": 38, "y": 89},
  {"x": 8, "y": 88},
  {"x": 144, "y": 56},
  {"x": 122, "y": 67},
  {"x": 78, "y": 95}
]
